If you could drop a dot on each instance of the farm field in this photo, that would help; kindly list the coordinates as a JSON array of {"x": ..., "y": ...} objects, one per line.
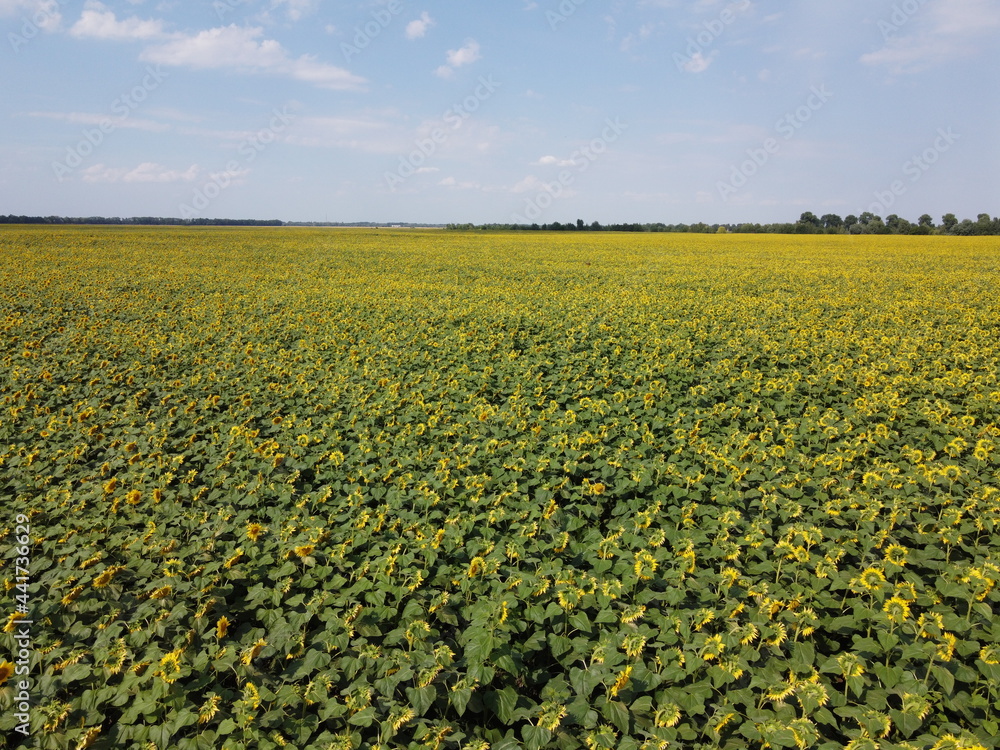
[{"x": 418, "y": 489}]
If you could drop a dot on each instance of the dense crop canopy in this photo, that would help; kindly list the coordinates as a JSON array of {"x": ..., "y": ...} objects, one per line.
[{"x": 357, "y": 489}]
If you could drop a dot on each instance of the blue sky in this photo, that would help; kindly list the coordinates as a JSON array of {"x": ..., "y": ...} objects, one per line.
[{"x": 541, "y": 110}]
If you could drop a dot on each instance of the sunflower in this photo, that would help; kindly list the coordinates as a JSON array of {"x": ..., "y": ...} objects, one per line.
[
  {"x": 251, "y": 697},
  {"x": 251, "y": 653},
  {"x": 6, "y": 671},
  {"x": 208, "y": 711},
  {"x": 255, "y": 530},
  {"x": 897, "y": 610},
  {"x": 851, "y": 665},
  {"x": 170, "y": 666},
  {"x": 72, "y": 595},
  {"x": 990, "y": 654},
  {"x": 871, "y": 579},
  {"x": 621, "y": 680},
  {"x": 633, "y": 613},
  {"x": 645, "y": 566},
  {"x": 713, "y": 648},
  {"x": 161, "y": 593},
  {"x": 551, "y": 715},
  {"x": 946, "y": 648},
  {"x": 222, "y": 627},
  {"x": 105, "y": 577},
  {"x": 400, "y": 717},
  {"x": 896, "y": 554},
  {"x": 667, "y": 716}
]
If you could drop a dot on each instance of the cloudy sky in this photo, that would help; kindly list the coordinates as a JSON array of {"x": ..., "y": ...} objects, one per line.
[{"x": 488, "y": 111}]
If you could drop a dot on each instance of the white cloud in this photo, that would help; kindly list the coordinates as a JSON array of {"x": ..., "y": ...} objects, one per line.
[
  {"x": 552, "y": 161},
  {"x": 242, "y": 49},
  {"x": 631, "y": 40},
  {"x": 98, "y": 22},
  {"x": 361, "y": 133},
  {"x": 297, "y": 9},
  {"x": 698, "y": 63},
  {"x": 145, "y": 172},
  {"x": 528, "y": 184},
  {"x": 464, "y": 55},
  {"x": 418, "y": 28},
  {"x": 91, "y": 118},
  {"x": 935, "y": 34},
  {"x": 465, "y": 185}
]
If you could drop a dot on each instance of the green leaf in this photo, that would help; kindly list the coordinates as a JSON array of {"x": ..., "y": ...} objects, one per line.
[
  {"x": 580, "y": 621},
  {"x": 617, "y": 714},
  {"x": 583, "y": 681},
  {"x": 642, "y": 706},
  {"x": 184, "y": 718},
  {"x": 505, "y": 703},
  {"x": 944, "y": 678},
  {"x": 459, "y": 699},
  {"x": 226, "y": 727},
  {"x": 363, "y": 718},
  {"x": 535, "y": 738},
  {"x": 421, "y": 699},
  {"x": 888, "y": 676},
  {"x": 906, "y": 724},
  {"x": 606, "y": 617},
  {"x": 803, "y": 657}
]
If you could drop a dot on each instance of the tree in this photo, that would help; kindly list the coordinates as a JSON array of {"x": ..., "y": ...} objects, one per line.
[
  {"x": 832, "y": 221},
  {"x": 926, "y": 221},
  {"x": 948, "y": 222}
]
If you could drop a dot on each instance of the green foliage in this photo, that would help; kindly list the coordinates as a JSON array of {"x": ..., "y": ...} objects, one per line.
[{"x": 350, "y": 489}]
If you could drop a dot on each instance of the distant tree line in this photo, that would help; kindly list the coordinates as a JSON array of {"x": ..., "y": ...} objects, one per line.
[
  {"x": 808, "y": 223},
  {"x": 141, "y": 221}
]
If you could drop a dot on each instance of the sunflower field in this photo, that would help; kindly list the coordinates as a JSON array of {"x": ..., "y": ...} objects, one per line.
[{"x": 357, "y": 489}]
